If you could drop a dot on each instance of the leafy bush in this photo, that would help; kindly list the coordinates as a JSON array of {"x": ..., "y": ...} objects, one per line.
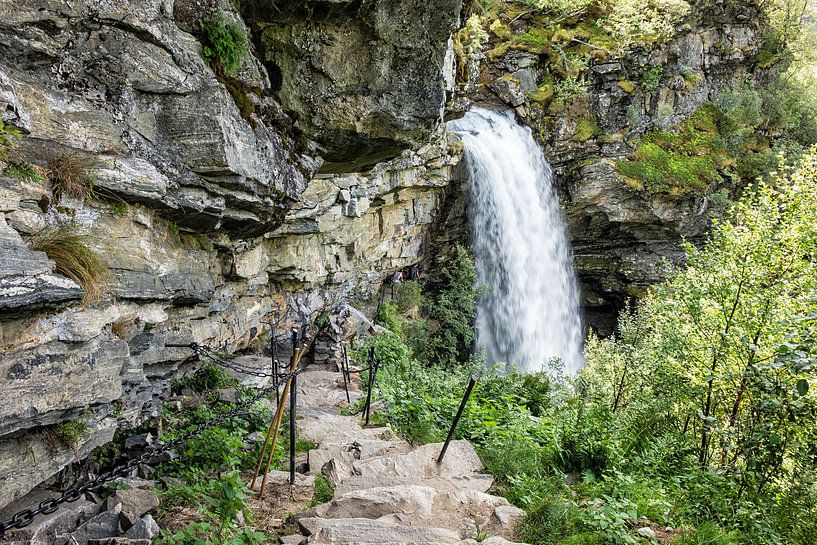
[
  {"x": 73, "y": 258},
  {"x": 409, "y": 296},
  {"x": 633, "y": 21},
  {"x": 225, "y": 43},
  {"x": 226, "y": 498}
]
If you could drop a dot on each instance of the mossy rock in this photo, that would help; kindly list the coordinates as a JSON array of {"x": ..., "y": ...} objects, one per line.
[
  {"x": 500, "y": 30},
  {"x": 543, "y": 94},
  {"x": 627, "y": 86},
  {"x": 586, "y": 128},
  {"x": 562, "y": 35},
  {"x": 766, "y": 59},
  {"x": 498, "y": 52}
]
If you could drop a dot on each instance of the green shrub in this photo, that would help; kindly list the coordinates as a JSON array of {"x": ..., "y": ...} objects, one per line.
[
  {"x": 225, "y": 43},
  {"x": 25, "y": 172},
  {"x": 650, "y": 78},
  {"x": 226, "y": 497},
  {"x": 451, "y": 314},
  {"x": 388, "y": 318},
  {"x": 7, "y": 135},
  {"x": 409, "y": 296},
  {"x": 73, "y": 258}
]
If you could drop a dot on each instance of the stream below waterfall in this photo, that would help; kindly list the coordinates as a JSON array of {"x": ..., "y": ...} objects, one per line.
[{"x": 530, "y": 315}]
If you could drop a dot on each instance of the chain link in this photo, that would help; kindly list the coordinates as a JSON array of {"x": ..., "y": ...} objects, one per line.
[
  {"x": 218, "y": 360},
  {"x": 23, "y": 518}
]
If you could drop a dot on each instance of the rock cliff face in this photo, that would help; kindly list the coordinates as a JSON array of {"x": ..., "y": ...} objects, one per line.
[
  {"x": 367, "y": 79},
  {"x": 202, "y": 208},
  {"x": 620, "y": 234},
  {"x": 215, "y": 213}
]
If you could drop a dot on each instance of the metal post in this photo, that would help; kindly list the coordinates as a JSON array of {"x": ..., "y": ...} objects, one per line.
[
  {"x": 372, "y": 378},
  {"x": 457, "y": 417},
  {"x": 292, "y": 401},
  {"x": 275, "y": 365},
  {"x": 344, "y": 370}
]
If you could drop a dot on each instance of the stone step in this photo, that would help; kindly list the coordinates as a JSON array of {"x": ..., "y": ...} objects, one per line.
[
  {"x": 373, "y": 532},
  {"x": 415, "y": 505},
  {"x": 460, "y": 469},
  {"x": 349, "y": 453},
  {"x": 323, "y": 427}
]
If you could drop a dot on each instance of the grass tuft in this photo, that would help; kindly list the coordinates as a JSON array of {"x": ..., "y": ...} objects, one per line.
[
  {"x": 71, "y": 433},
  {"x": 323, "y": 491},
  {"x": 70, "y": 174},
  {"x": 73, "y": 258}
]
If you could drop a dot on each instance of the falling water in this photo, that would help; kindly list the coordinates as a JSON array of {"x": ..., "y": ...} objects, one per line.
[{"x": 531, "y": 314}]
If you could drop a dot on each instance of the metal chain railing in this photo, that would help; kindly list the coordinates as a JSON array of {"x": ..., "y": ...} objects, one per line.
[
  {"x": 25, "y": 517},
  {"x": 218, "y": 360}
]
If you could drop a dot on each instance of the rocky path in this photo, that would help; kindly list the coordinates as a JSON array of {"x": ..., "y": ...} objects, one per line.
[{"x": 387, "y": 492}]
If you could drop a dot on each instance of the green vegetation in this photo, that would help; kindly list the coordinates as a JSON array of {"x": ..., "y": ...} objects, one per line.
[
  {"x": 25, "y": 172},
  {"x": 697, "y": 416},
  {"x": 16, "y": 166},
  {"x": 73, "y": 432},
  {"x": 225, "y": 43},
  {"x": 208, "y": 377},
  {"x": 731, "y": 141},
  {"x": 676, "y": 163},
  {"x": 451, "y": 314},
  {"x": 209, "y": 465},
  {"x": 323, "y": 491},
  {"x": 225, "y": 498},
  {"x": 7, "y": 135},
  {"x": 73, "y": 258}
]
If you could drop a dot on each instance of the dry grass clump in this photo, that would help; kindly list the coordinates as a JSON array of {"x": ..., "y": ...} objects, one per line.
[
  {"x": 70, "y": 174},
  {"x": 73, "y": 258}
]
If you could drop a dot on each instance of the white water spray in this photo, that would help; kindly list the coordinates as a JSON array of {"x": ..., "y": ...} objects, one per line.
[{"x": 531, "y": 315}]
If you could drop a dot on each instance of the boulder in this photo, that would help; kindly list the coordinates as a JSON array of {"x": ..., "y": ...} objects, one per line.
[
  {"x": 134, "y": 501},
  {"x": 145, "y": 528}
]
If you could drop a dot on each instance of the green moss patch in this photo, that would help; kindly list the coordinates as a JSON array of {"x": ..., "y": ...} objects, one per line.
[
  {"x": 586, "y": 128},
  {"x": 689, "y": 160}
]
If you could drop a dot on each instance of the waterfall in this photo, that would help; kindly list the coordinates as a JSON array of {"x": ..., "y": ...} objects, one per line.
[{"x": 531, "y": 313}]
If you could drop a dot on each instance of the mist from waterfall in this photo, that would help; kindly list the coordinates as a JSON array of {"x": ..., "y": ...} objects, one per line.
[{"x": 531, "y": 313}]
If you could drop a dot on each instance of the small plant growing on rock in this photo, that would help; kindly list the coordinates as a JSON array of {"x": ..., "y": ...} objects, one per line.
[
  {"x": 7, "y": 135},
  {"x": 70, "y": 174},
  {"x": 73, "y": 258},
  {"x": 225, "y": 43},
  {"x": 25, "y": 172},
  {"x": 71, "y": 433},
  {"x": 323, "y": 491}
]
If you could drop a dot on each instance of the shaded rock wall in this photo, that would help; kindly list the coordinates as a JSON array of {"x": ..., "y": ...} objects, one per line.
[{"x": 367, "y": 79}]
